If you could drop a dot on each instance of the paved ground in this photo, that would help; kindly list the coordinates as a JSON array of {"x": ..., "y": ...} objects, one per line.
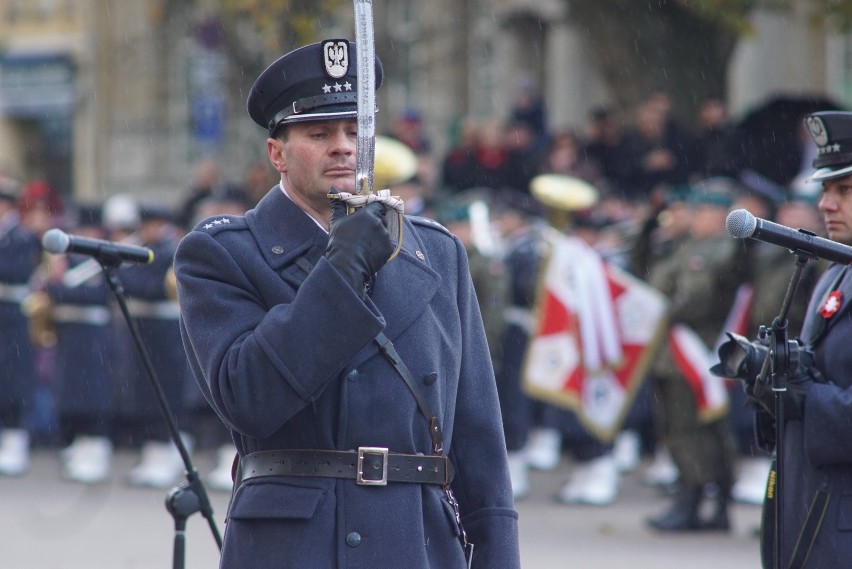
[{"x": 46, "y": 523}]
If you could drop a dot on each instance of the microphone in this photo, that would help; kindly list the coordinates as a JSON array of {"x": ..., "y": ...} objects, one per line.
[
  {"x": 57, "y": 241},
  {"x": 740, "y": 223}
]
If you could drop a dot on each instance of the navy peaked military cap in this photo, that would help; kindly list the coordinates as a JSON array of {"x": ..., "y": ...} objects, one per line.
[
  {"x": 89, "y": 215},
  {"x": 151, "y": 212},
  {"x": 315, "y": 82},
  {"x": 832, "y": 133}
]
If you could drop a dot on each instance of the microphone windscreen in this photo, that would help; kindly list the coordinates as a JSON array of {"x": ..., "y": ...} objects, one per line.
[
  {"x": 55, "y": 241},
  {"x": 740, "y": 223}
]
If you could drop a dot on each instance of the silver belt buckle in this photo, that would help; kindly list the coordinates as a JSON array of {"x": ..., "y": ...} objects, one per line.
[{"x": 359, "y": 477}]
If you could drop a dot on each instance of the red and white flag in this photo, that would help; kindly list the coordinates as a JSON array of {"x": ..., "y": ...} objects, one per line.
[
  {"x": 693, "y": 358},
  {"x": 597, "y": 328}
]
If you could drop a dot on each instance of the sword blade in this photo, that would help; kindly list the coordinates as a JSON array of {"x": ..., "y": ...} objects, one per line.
[{"x": 366, "y": 53}]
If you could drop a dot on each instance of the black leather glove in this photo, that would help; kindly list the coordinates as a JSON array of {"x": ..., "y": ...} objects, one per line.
[
  {"x": 358, "y": 244},
  {"x": 798, "y": 386},
  {"x": 793, "y": 399}
]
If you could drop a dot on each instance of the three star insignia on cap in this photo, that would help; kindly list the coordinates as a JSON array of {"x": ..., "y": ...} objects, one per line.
[
  {"x": 337, "y": 87},
  {"x": 216, "y": 222},
  {"x": 828, "y": 149}
]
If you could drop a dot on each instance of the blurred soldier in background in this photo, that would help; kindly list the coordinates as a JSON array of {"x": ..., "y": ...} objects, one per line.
[
  {"x": 662, "y": 234},
  {"x": 156, "y": 314},
  {"x": 700, "y": 279},
  {"x": 82, "y": 384},
  {"x": 467, "y": 217},
  {"x": 20, "y": 253},
  {"x": 519, "y": 219}
]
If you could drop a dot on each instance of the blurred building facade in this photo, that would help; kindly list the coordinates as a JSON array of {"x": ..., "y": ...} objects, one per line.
[{"x": 104, "y": 97}]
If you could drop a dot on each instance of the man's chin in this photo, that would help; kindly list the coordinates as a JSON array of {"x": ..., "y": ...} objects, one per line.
[
  {"x": 342, "y": 184},
  {"x": 840, "y": 236}
]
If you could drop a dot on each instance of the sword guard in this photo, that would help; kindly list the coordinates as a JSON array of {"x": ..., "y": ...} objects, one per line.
[{"x": 359, "y": 200}]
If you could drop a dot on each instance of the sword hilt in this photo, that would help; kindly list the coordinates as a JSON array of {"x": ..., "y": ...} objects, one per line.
[{"x": 364, "y": 197}]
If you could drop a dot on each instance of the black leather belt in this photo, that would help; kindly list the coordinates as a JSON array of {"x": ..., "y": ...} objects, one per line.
[{"x": 367, "y": 466}]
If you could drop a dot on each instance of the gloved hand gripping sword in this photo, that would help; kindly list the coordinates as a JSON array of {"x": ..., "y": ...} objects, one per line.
[{"x": 365, "y": 148}]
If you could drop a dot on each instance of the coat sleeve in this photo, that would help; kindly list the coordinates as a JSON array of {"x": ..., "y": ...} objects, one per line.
[
  {"x": 826, "y": 424},
  {"x": 258, "y": 365},
  {"x": 478, "y": 450}
]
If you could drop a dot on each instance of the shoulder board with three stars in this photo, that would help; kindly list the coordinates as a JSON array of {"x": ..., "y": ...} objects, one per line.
[
  {"x": 426, "y": 222},
  {"x": 218, "y": 223}
]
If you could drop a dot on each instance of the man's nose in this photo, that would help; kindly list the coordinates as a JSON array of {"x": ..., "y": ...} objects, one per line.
[{"x": 342, "y": 143}]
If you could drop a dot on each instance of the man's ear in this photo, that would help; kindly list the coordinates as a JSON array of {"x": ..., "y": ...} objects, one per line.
[{"x": 275, "y": 150}]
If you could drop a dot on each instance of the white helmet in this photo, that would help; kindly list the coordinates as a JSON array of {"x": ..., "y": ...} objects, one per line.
[{"x": 121, "y": 212}]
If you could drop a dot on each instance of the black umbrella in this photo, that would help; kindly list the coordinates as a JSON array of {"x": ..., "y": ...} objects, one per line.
[{"x": 768, "y": 140}]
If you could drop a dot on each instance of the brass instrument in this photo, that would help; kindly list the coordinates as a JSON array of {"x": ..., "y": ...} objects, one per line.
[
  {"x": 38, "y": 308},
  {"x": 395, "y": 162},
  {"x": 170, "y": 284},
  {"x": 563, "y": 195}
]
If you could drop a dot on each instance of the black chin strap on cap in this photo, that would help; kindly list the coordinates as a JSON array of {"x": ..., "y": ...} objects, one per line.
[{"x": 310, "y": 103}]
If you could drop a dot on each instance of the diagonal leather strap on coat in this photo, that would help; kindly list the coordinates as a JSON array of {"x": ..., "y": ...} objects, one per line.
[
  {"x": 810, "y": 529},
  {"x": 387, "y": 348}
]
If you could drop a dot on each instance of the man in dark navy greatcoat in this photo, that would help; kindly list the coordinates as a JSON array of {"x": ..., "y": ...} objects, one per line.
[
  {"x": 359, "y": 392},
  {"x": 815, "y": 495}
]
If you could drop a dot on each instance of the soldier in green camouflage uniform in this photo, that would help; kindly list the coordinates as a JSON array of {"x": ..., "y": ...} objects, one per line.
[
  {"x": 489, "y": 274},
  {"x": 700, "y": 280}
]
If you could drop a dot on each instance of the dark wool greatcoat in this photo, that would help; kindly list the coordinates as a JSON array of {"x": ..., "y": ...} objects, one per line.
[
  {"x": 818, "y": 448},
  {"x": 282, "y": 348},
  {"x": 81, "y": 372},
  {"x": 156, "y": 318},
  {"x": 20, "y": 252}
]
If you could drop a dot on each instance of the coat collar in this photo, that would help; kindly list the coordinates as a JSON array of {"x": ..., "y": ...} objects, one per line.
[{"x": 289, "y": 240}]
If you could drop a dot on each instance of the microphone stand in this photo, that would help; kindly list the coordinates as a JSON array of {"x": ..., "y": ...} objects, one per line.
[
  {"x": 189, "y": 496},
  {"x": 777, "y": 364}
]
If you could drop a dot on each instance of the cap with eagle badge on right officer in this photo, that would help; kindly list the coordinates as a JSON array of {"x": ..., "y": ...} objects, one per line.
[
  {"x": 315, "y": 82},
  {"x": 832, "y": 133}
]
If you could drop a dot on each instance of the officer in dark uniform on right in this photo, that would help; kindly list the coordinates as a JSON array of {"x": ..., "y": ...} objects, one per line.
[{"x": 815, "y": 526}]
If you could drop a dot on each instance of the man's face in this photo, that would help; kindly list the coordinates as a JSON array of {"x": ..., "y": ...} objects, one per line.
[
  {"x": 708, "y": 220},
  {"x": 835, "y": 204},
  {"x": 313, "y": 157}
]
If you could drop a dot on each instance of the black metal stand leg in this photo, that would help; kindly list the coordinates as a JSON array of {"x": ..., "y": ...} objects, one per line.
[
  {"x": 777, "y": 365},
  {"x": 181, "y": 502},
  {"x": 190, "y": 496}
]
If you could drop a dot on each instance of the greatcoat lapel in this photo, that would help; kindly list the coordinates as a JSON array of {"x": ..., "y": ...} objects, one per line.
[
  {"x": 292, "y": 244},
  {"x": 816, "y": 325},
  {"x": 289, "y": 240}
]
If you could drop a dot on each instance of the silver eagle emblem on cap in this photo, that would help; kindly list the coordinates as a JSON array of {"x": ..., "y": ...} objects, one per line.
[
  {"x": 336, "y": 58},
  {"x": 817, "y": 130}
]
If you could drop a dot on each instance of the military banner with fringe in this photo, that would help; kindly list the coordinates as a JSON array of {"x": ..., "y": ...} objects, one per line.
[{"x": 597, "y": 329}]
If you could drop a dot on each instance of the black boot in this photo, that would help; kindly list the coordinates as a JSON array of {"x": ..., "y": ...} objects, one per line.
[
  {"x": 719, "y": 520},
  {"x": 683, "y": 514}
]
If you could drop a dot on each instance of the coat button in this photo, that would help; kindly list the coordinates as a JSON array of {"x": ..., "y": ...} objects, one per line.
[
  {"x": 430, "y": 378},
  {"x": 353, "y": 539},
  {"x": 352, "y": 375}
]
